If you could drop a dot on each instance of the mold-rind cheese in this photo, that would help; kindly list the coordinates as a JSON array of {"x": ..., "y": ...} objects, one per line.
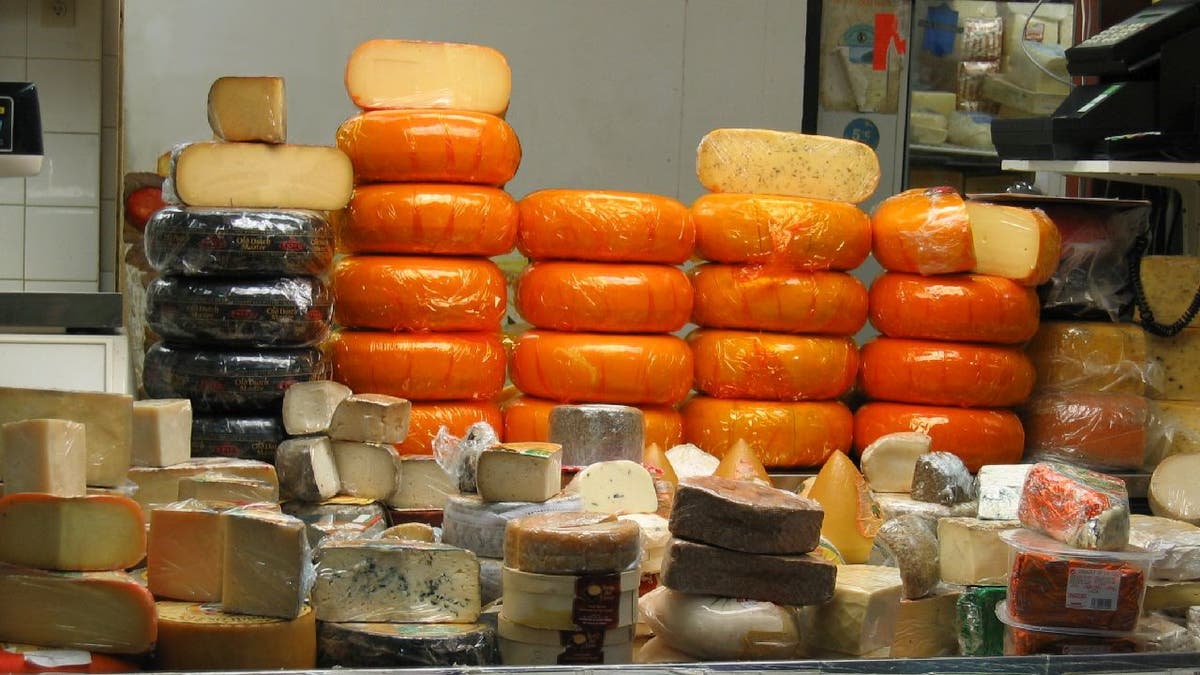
[
  {"x": 266, "y": 568},
  {"x": 745, "y": 516},
  {"x": 45, "y": 455},
  {"x": 258, "y": 175},
  {"x": 252, "y": 109},
  {"x": 415, "y": 74},
  {"x": 93, "y": 533},
  {"x": 162, "y": 432},
  {"x": 306, "y": 469}
]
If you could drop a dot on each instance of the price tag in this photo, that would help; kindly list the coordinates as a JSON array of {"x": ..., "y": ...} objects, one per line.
[{"x": 1093, "y": 589}]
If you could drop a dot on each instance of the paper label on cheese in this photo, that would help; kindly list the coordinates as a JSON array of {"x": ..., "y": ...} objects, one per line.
[
  {"x": 597, "y": 601},
  {"x": 1094, "y": 589},
  {"x": 582, "y": 648}
]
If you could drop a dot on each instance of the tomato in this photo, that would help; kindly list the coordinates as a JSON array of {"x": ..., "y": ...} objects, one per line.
[{"x": 141, "y": 204}]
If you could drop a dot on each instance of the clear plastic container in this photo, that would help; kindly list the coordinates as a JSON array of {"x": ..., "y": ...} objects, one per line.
[{"x": 1022, "y": 639}]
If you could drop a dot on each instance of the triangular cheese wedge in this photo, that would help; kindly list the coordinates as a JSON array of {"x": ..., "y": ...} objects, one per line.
[{"x": 851, "y": 516}]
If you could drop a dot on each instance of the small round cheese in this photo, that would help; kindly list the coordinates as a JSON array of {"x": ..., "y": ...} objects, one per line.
[{"x": 571, "y": 543}]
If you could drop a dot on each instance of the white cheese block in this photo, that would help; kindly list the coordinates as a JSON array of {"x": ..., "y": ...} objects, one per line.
[
  {"x": 308, "y": 406},
  {"x": 423, "y": 484},
  {"x": 656, "y": 650},
  {"x": 218, "y": 487},
  {"x": 1014, "y": 243},
  {"x": 999, "y": 488},
  {"x": 970, "y": 130},
  {"x": 526, "y": 646},
  {"x": 688, "y": 460},
  {"x": 619, "y": 486},
  {"x": 157, "y": 486},
  {"x": 571, "y": 543},
  {"x": 887, "y": 463},
  {"x": 1174, "y": 491},
  {"x": 927, "y": 128},
  {"x": 940, "y": 102},
  {"x": 389, "y": 74},
  {"x": 896, "y": 505},
  {"x": 597, "y": 433},
  {"x": 339, "y": 518},
  {"x": 258, "y": 175},
  {"x": 306, "y": 469},
  {"x": 723, "y": 629},
  {"x": 1177, "y": 544},
  {"x": 405, "y": 645},
  {"x": 367, "y": 470},
  {"x": 471, "y": 523},
  {"x": 185, "y": 552},
  {"x": 266, "y": 569},
  {"x": 655, "y": 535},
  {"x": 519, "y": 472},
  {"x": 910, "y": 544},
  {"x": 371, "y": 418},
  {"x": 45, "y": 455},
  {"x": 491, "y": 580},
  {"x": 93, "y": 533},
  {"x": 863, "y": 613},
  {"x": 971, "y": 552},
  {"x": 1171, "y": 595},
  {"x": 551, "y": 601},
  {"x": 162, "y": 432},
  {"x": 927, "y": 627},
  {"x": 250, "y": 109},
  {"x": 1023, "y": 68}
]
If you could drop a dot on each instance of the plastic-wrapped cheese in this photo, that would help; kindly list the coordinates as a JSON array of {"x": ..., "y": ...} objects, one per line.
[
  {"x": 420, "y": 366},
  {"x": 745, "y": 516},
  {"x": 389, "y": 74},
  {"x": 252, "y": 109},
  {"x": 851, "y": 516},
  {"x": 342, "y": 517},
  {"x": 980, "y": 633},
  {"x": 229, "y": 381},
  {"x": 701, "y": 569},
  {"x": 1177, "y": 544},
  {"x": 892, "y": 505},
  {"x": 236, "y": 437},
  {"x": 411, "y": 293},
  {"x": 550, "y": 601},
  {"x": 604, "y": 297},
  {"x": 1101, "y": 431},
  {"x": 978, "y": 436},
  {"x": 405, "y": 645},
  {"x": 604, "y": 226},
  {"x": 925, "y": 627},
  {"x": 90, "y": 533},
  {"x": 783, "y": 434},
  {"x": 427, "y": 419},
  {"x": 243, "y": 313},
  {"x": 769, "y": 299},
  {"x": 478, "y": 526},
  {"x": 772, "y": 366},
  {"x": 241, "y": 242},
  {"x": 527, "y": 418},
  {"x": 1090, "y": 356},
  {"x": 1081, "y": 508},
  {"x": 571, "y": 543},
  {"x": 428, "y": 219},
  {"x": 1174, "y": 492},
  {"x": 942, "y": 478},
  {"x": 723, "y": 629},
  {"x": 862, "y": 615},
  {"x": 945, "y": 373},
  {"x": 267, "y": 565},
  {"x": 960, "y": 308}
]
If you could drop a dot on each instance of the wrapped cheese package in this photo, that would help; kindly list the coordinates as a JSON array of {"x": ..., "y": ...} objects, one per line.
[
  {"x": 773, "y": 366},
  {"x": 604, "y": 226},
  {"x": 959, "y": 308},
  {"x": 420, "y": 367},
  {"x": 747, "y": 629},
  {"x": 428, "y": 219},
  {"x": 1092, "y": 356},
  {"x": 945, "y": 373},
  {"x": 978, "y": 436},
  {"x": 527, "y": 418},
  {"x": 769, "y": 299},
  {"x": 604, "y": 297},
  {"x": 783, "y": 434},
  {"x": 1078, "y": 507},
  {"x": 426, "y": 420},
  {"x": 238, "y": 242},
  {"x": 1024, "y": 639},
  {"x": 1098, "y": 431},
  {"x": 419, "y": 294},
  {"x": 229, "y": 381}
]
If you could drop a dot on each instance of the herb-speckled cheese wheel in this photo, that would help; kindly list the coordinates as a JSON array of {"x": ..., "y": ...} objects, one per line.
[
  {"x": 763, "y": 298},
  {"x": 960, "y": 307},
  {"x": 782, "y": 434},
  {"x": 603, "y": 297},
  {"x": 945, "y": 373},
  {"x": 978, "y": 436},
  {"x": 420, "y": 366},
  {"x": 428, "y": 219},
  {"x": 773, "y": 366},
  {"x": 195, "y": 637},
  {"x": 411, "y": 293},
  {"x": 571, "y": 543},
  {"x": 229, "y": 381},
  {"x": 238, "y": 242},
  {"x": 604, "y": 226}
]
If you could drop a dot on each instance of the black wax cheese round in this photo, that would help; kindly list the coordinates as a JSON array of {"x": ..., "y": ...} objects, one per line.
[
  {"x": 391, "y": 645},
  {"x": 229, "y": 381},
  {"x": 236, "y": 437},
  {"x": 280, "y": 312}
]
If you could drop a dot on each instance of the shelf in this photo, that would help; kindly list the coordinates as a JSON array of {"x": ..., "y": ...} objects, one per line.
[
  {"x": 954, "y": 151},
  {"x": 1105, "y": 167}
]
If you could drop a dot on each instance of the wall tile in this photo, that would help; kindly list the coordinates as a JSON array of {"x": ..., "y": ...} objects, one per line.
[
  {"x": 110, "y": 26},
  {"x": 12, "y": 241},
  {"x": 81, "y": 41},
  {"x": 13, "y": 15},
  {"x": 68, "y": 93},
  {"x": 12, "y": 285},
  {"x": 12, "y": 69},
  {"x": 12, "y": 190},
  {"x": 61, "y": 286},
  {"x": 71, "y": 173},
  {"x": 62, "y": 244},
  {"x": 110, "y": 93}
]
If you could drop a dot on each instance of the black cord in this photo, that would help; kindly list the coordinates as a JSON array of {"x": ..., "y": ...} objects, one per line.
[{"x": 1139, "y": 294}]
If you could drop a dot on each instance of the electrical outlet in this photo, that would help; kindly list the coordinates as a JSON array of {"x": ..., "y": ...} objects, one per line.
[{"x": 58, "y": 13}]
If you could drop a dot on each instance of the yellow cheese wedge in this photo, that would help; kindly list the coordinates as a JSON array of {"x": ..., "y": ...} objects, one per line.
[
  {"x": 385, "y": 74},
  {"x": 655, "y": 456},
  {"x": 93, "y": 533},
  {"x": 266, "y": 565},
  {"x": 94, "y": 611},
  {"x": 1015, "y": 243},
  {"x": 250, "y": 109},
  {"x": 740, "y": 463},
  {"x": 851, "y": 515},
  {"x": 194, "y": 637},
  {"x": 257, "y": 175},
  {"x": 44, "y": 455}
]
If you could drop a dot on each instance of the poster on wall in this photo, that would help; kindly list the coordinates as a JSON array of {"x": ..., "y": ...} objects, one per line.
[{"x": 864, "y": 44}]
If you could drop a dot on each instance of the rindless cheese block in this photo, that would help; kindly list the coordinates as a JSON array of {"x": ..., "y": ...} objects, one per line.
[
  {"x": 772, "y": 366},
  {"x": 93, "y": 533},
  {"x": 745, "y": 516},
  {"x": 971, "y": 553},
  {"x": 424, "y": 484},
  {"x": 617, "y": 486},
  {"x": 479, "y": 526},
  {"x": 910, "y": 544},
  {"x": 1177, "y": 358},
  {"x": 222, "y": 488},
  {"x": 769, "y": 299},
  {"x": 388, "y": 74},
  {"x": 525, "y": 646},
  {"x": 593, "y": 433},
  {"x": 308, "y": 406},
  {"x": 723, "y": 628},
  {"x": 160, "y": 485},
  {"x": 519, "y": 472},
  {"x": 1170, "y": 595},
  {"x": 162, "y": 432},
  {"x": 888, "y": 462},
  {"x": 945, "y": 373},
  {"x": 252, "y": 109},
  {"x": 1177, "y": 544},
  {"x": 108, "y": 419},
  {"x": 690, "y": 567},
  {"x": 863, "y": 614},
  {"x": 45, "y": 455},
  {"x": 405, "y": 645},
  {"x": 787, "y": 163},
  {"x": 266, "y": 568},
  {"x": 783, "y": 434},
  {"x": 851, "y": 516},
  {"x": 571, "y": 543},
  {"x": 257, "y": 175},
  {"x": 978, "y": 436},
  {"x": 428, "y": 219},
  {"x": 197, "y": 637},
  {"x": 999, "y": 487},
  {"x": 184, "y": 552},
  {"x": 926, "y": 627},
  {"x": 370, "y": 418},
  {"x": 571, "y": 602},
  {"x": 367, "y": 470},
  {"x": 1090, "y": 356},
  {"x": 960, "y": 308},
  {"x": 1174, "y": 492},
  {"x": 420, "y": 366},
  {"x": 604, "y": 297}
]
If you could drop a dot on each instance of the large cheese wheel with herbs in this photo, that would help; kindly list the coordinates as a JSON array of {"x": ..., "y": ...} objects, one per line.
[
  {"x": 604, "y": 226},
  {"x": 761, "y": 298},
  {"x": 428, "y": 219},
  {"x": 425, "y": 419},
  {"x": 528, "y": 419},
  {"x": 782, "y": 434},
  {"x": 411, "y": 293},
  {"x": 419, "y": 366},
  {"x": 604, "y": 297},
  {"x": 945, "y": 373},
  {"x": 773, "y": 366},
  {"x": 958, "y": 307},
  {"x": 978, "y": 436},
  {"x": 430, "y": 146}
]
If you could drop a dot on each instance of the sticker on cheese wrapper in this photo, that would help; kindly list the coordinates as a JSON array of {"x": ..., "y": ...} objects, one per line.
[
  {"x": 597, "y": 601},
  {"x": 1093, "y": 589},
  {"x": 584, "y": 647},
  {"x": 58, "y": 658}
]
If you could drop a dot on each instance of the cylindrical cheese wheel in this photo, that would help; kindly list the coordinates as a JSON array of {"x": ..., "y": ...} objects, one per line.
[
  {"x": 425, "y": 419},
  {"x": 759, "y": 298},
  {"x": 602, "y": 368},
  {"x": 430, "y": 146},
  {"x": 923, "y": 231},
  {"x": 782, "y": 434},
  {"x": 963, "y": 308},
  {"x": 596, "y": 432},
  {"x": 409, "y": 293},
  {"x": 789, "y": 232},
  {"x": 571, "y": 543},
  {"x": 195, "y": 637},
  {"x": 945, "y": 373},
  {"x": 663, "y": 425},
  {"x": 405, "y": 645},
  {"x": 528, "y": 419},
  {"x": 604, "y": 226},
  {"x": 772, "y": 366},
  {"x": 224, "y": 381},
  {"x": 604, "y": 297},
  {"x": 1097, "y": 430},
  {"x": 420, "y": 366},
  {"x": 1091, "y": 356},
  {"x": 428, "y": 219},
  {"x": 978, "y": 436},
  {"x": 236, "y": 437}
]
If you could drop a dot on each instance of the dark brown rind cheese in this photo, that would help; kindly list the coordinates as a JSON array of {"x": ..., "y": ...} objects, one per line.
[
  {"x": 805, "y": 579},
  {"x": 745, "y": 516}
]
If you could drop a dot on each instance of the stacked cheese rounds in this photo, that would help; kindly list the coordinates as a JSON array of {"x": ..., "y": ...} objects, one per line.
[
  {"x": 603, "y": 293},
  {"x": 419, "y": 303}
]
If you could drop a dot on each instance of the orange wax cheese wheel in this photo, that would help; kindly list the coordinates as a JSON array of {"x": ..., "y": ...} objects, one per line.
[
  {"x": 790, "y": 232},
  {"x": 773, "y": 366},
  {"x": 410, "y": 293},
  {"x": 782, "y": 434},
  {"x": 420, "y": 366},
  {"x": 428, "y": 219},
  {"x": 604, "y": 297},
  {"x": 604, "y": 226},
  {"x": 759, "y": 298},
  {"x": 425, "y": 419},
  {"x": 960, "y": 307},
  {"x": 923, "y": 231},
  {"x": 1101, "y": 431},
  {"x": 430, "y": 146},
  {"x": 945, "y": 373},
  {"x": 194, "y": 637},
  {"x": 602, "y": 368},
  {"x": 662, "y": 425},
  {"x": 978, "y": 436},
  {"x": 527, "y": 419}
]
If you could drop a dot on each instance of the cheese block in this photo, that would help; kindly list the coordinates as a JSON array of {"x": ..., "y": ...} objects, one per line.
[
  {"x": 423, "y": 484},
  {"x": 1176, "y": 359},
  {"x": 852, "y": 518},
  {"x": 960, "y": 308},
  {"x": 925, "y": 627},
  {"x": 108, "y": 419},
  {"x": 772, "y": 366},
  {"x": 525, "y": 646},
  {"x": 927, "y": 128},
  {"x": 430, "y": 146},
  {"x": 863, "y": 613},
  {"x": 1090, "y": 356},
  {"x": 770, "y": 299},
  {"x": 980, "y": 632},
  {"x": 395, "y": 582},
  {"x": 691, "y": 567},
  {"x": 593, "y": 433},
  {"x": 617, "y": 486},
  {"x": 367, "y": 470},
  {"x": 1172, "y": 493},
  {"x": 783, "y": 434},
  {"x": 427, "y": 419},
  {"x": 786, "y": 163},
  {"x": 945, "y": 373},
  {"x": 978, "y": 436},
  {"x": 409, "y": 532},
  {"x": 894, "y": 505},
  {"x": 888, "y": 462},
  {"x": 478, "y": 526},
  {"x": 687, "y": 460},
  {"x": 909, "y": 544},
  {"x": 1180, "y": 422},
  {"x": 160, "y": 485},
  {"x": 92, "y": 533},
  {"x": 308, "y": 406},
  {"x": 942, "y": 478},
  {"x": 370, "y": 418},
  {"x": 1171, "y": 595},
  {"x": 266, "y": 568},
  {"x": 999, "y": 488},
  {"x": 250, "y": 109},
  {"x": 723, "y": 629},
  {"x": 195, "y": 637},
  {"x": 1078, "y": 507},
  {"x": 162, "y": 432},
  {"x": 1176, "y": 543},
  {"x": 570, "y": 602},
  {"x": 655, "y": 535},
  {"x": 604, "y": 297},
  {"x": 216, "y": 487},
  {"x": 971, "y": 553},
  {"x": 185, "y": 552},
  {"x": 656, "y": 650},
  {"x": 420, "y": 366},
  {"x": 388, "y": 74},
  {"x": 104, "y": 612},
  {"x": 339, "y": 518},
  {"x": 745, "y": 516},
  {"x": 788, "y": 232},
  {"x": 1169, "y": 282},
  {"x": 604, "y": 226},
  {"x": 941, "y": 102},
  {"x": 428, "y": 219},
  {"x": 45, "y": 455},
  {"x": 217, "y": 380},
  {"x": 1101, "y": 431},
  {"x": 519, "y": 472},
  {"x": 413, "y": 293},
  {"x": 236, "y": 437},
  {"x": 571, "y": 543},
  {"x": 306, "y": 469},
  {"x": 257, "y": 175},
  {"x": 403, "y": 645}
]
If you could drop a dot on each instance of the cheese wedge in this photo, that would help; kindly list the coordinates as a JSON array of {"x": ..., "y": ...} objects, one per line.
[
  {"x": 257, "y": 175},
  {"x": 184, "y": 552},
  {"x": 1018, "y": 244},
  {"x": 94, "y": 611},
  {"x": 250, "y": 109},
  {"x": 520, "y": 472},
  {"x": 216, "y": 487},
  {"x": 162, "y": 431},
  {"x": 93, "y": 533},
  {"x": 414, "y": 74},
  {"x": 266, "y": 568},
  {"x": 851, "y": 515}
]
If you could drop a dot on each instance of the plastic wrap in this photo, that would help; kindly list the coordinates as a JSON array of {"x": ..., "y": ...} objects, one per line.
[
  {"x": 197, "y": 637},
  {"x": 960, "y": 308},
  {"x": 92, "y": 533},
  {"x": 604, "y": 226},
  {"x": 261, "y": 175},
  {"x": 923, "y": 231},
  {"x": 862, "y": 616},
  {"x": 655, "y": 535},
  {"x": 428, "y": 219},
  {"x": 1175, "y": 543},
  {"x": 17, "y": 658},
  {"x": 409, "y": 293},
  {"x": 852, "y": 518},
  {"x": 945, "y": 373},
  {"x": 596, "y": 433},
  {"x": 980, "y": 632},
  {"x": 723, "y": 629},
  {"x": 1098, "y": 431},
  {"x": 420, "y": 367},
  {"x": 250, "y": 109},
  {"x": 391, "y": 645},
  {"x": 978, "y": 436},
  {"x": 1024, "y": 639},
  {"x": 472, "y": 524},
  {"x": 1092, "y": 356},
  {"x": 525, "y": 646},
  {"x": 239, "y": 314},
  {"x": 896, "y": 505},
  {"x": 909, "y": 544},
  {"x": 1081, "y": 508},
  {"x": 44, "y": 455},
  {"x": 970, "y": 82},
  {"x": 238, "y": 242},
  {"x": 656, "y": 650},
  {"x": 761, "y": 298},
  {"x": 236, "y": 437},
  {"x": 744, "y": 516},
  {"x": 1181, "y": 423},
  {"x": 306, "y": 469},
  {"x": 783, "y": 434},
  {"x": 1173, "y": 490},
  {"x": 268, "y": 569},
  {"x": 786, "y": 232},
  {"x": 229, "y": 381},
  {"x": 1162, "y": 634},
  {"x": 550, "y": 601},
  {"x": 430, "y": 146},
  {"x": 426, "y": 420},
  {"x": 342, "y": 518},
  {"x": 387, "y": 74},
  {"x": 528, "y": 419},
  {"x": 553, "y": 542},
  {"x": 218, "y": 487},
  {"x": 942, "y": 478},
  {"x": 604, "y": 297},
  {"x": 160, "y": 485},
  {"x": 184, "y": 555},
  {"x": 772, "y": 366},
  {"x": 459, "y": 457}
]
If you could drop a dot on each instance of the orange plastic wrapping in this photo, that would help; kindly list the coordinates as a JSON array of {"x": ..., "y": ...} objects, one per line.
[
  {"x": 1095, "y": 430},
  {"x": 428, "y": 219},
  {"x": 430, "y": 146},
  {"x": 945, "y": 373},
  {"x": 420, "y": 366},
  {"x": 923, "y": 231},
  {"x": 782, "y": 434},
  {"x": 408, "y": 293},
  {"x": 604, "y": 226},
  {"x": 773, "y": 366},
  {"x": 964, "y": 308},
  {"x": 604, "y": 297},
  {"x": 28, "y": 659},
  {"x": 978, "y": 436},
  {"x": 789, "y": 232},
  {"x": 602, "y": 368},
  {"x": 759, "y": 298},
  {"x": 528, "y": 419},
  {"x": 425, "y": 419}
]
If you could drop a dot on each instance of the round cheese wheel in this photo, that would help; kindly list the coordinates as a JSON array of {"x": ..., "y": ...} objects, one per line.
[
  {"x": 602, "y": 368},
  {"x": 396, "y": 645},
  {"x": 428, "y": 219},
  {"x": 528, "y": 419},
  {"x": 604, "y": 226},
  {"x": 194, "y": 637},
  {"x": 571, "y": 543},
  {"x": 229, "y": 381},
  {"x": 923, "y": 231},
  {"x": 760, "y": 298},
  {"x": 1174, "y": 492},
  {"x": 596, "y": 432},
  {"x": 782, "y": 434},
  {"x": 1101, "y": 431},
  {"x": 790, "y": 232},
  {"x": 426, "y": 419},
  {"x": 945, "y": 373},
  {"x": 962, "y": 308},
  {"x": 409, "y": 293},
  {"x": 241, "y": 313},
  {"x": 978, "y": 436},
  {"x": 772, "y": 366},
  {"x": 430, "y": 146},
  {"x": 238, "y": 242},
  {"x": 663, "y": 426},
  {"x": 236, "y": 437},
  {"x": 419, "y": 366},
  {"x": 604, "y": 297},
  {"x": 478, "y": 526}
]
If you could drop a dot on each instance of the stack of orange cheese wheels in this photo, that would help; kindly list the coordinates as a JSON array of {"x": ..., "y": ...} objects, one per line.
[{"x": 603, "y": 293}]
